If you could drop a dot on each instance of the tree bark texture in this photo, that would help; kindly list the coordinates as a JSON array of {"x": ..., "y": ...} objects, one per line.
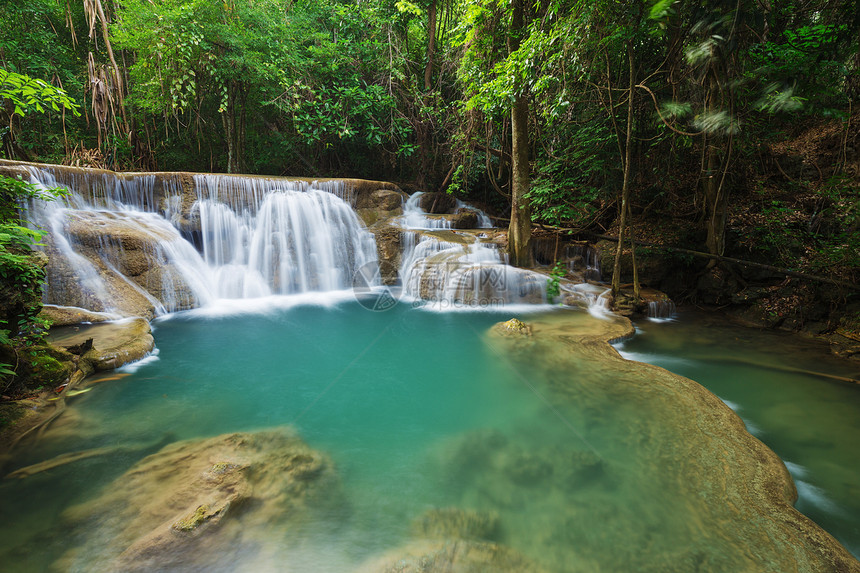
[{"x": 520, "y": 228}]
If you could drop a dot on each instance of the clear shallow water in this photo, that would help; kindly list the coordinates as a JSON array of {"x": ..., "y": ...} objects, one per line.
[
  {"x": 382, "y": 392},
  {"x": 812, "y": 422},
  {"x": 417, "y": 411}
]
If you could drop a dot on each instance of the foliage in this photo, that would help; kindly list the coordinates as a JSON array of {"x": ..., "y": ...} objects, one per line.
[
  {"x": 22, "y": 271},
  {"x": 557, "y": 273},
  {"x": 339, "y": 88},
  {"x": 27, "y": 94}
]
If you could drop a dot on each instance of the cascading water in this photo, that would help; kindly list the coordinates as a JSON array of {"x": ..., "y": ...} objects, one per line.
[
  {"x": 584, "y": 259},
  {"x": 414, "y": 217},
  {"x": 119, "y": 243},
  {"x": 465, "y": 273},
  {"x": 264, "y": 239},
  {"x": 661, "y": 309},
  {"x": 457, "y": 268}
]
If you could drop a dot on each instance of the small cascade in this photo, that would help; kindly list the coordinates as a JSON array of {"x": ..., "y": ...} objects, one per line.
[
  {"x": 661, "y": 309},
  {"x": 581, "y": 258},
  {"x": 596, "y": 298},
  {"x": 457, "y": 268},
  {"x": 465, "y": 273},
  {"x": 108, "y": 248},
  {"x": 119, "y": 242},
  {"x": 584, "y": 259},
  {"x": 414, "y": 217}
]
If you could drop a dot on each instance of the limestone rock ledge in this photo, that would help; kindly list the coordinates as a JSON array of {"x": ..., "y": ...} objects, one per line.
[
  {"x": 114, "y": 343},
  {"x": 733, "y": 494}
]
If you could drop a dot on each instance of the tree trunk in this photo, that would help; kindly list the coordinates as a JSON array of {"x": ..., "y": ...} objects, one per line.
[
  {"x": 520, "y": 228},
  {"x": 431, "y": 46},
  {"x": 637, "y": 289},
  {"x": 625, "y": 186},
  {"x": 234, "y": 126},
  {"x": 713, "y": 181},
  {"x": 228, "y": 116},
  {"x": 118, "y": 76}
]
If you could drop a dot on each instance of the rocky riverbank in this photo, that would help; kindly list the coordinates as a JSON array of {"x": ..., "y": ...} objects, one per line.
[{"x": 80, "y": 344}]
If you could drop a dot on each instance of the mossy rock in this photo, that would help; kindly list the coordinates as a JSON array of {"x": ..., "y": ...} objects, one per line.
[
  {"x": 70, "y": 315},
  {"x": 47, "y": 371},
  {"x": 514, "y": 326},
  {"x": 40, "y": 367}
]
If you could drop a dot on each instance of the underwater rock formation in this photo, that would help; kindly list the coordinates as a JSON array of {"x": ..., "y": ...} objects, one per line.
[
  {"x": 452, "y": 557},
  {"x": 192, "y": 505},
  {"x": 453, "y": 540},
  {"x": 456, "y": 523},
  {"x": 727, "y": 498}
]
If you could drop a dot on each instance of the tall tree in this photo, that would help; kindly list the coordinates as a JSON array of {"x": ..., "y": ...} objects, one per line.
[{"x": 520, "y": 227}]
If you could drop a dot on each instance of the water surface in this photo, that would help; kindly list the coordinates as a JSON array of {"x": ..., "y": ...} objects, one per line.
[{"x": 418, "y": 410}]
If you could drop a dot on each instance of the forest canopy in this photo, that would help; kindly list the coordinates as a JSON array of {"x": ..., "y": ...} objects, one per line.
[{"x": 579, "y": 113}]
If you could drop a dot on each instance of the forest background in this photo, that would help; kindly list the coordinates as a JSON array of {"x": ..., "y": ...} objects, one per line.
[{"x": 726, "y": 128}]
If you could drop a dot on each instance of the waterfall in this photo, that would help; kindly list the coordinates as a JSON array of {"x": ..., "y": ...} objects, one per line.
[
  {"x": 123, "y": 242},
  {"x": 584, "y": 259},
  {"x": 414, "y": 217},
  {"x": 469, "y": 273},
  {"x": 661, "y": 309},
  {"x": 448, "y": 267}
]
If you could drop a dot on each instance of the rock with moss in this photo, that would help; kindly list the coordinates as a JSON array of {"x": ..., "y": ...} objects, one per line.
[
  {"x": 379, "y": 206},
  {"x": 36, "y": 368},
  {"x": 113, "y": 343},
  {"x": 464, "y": 218},
  {"x": 514, "y": 327}
]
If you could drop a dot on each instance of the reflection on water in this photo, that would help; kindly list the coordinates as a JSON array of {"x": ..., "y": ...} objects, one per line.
[
  {"x": 811, "y": 420},
  {"x": 572, "y": 465}
]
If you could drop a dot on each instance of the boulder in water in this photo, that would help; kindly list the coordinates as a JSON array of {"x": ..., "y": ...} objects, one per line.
[
  {"x": 112, "y": 343},
  {"x": 464, "y": 218},
  {"x": 437, "y": 203},
  {"x": 389, "y": 241},
  {"x": 515, "y": 327},
  {"x": 379, "y": 206}
]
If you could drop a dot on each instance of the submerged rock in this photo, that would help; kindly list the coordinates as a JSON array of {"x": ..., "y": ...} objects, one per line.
[
  {"x": 452, "y": 557},
  {"x": 453, "y": 540},
  {"x": 637, "y": 454},
  {"x": 456, "y": 523},
  {"x": 196, "y": 505}
]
